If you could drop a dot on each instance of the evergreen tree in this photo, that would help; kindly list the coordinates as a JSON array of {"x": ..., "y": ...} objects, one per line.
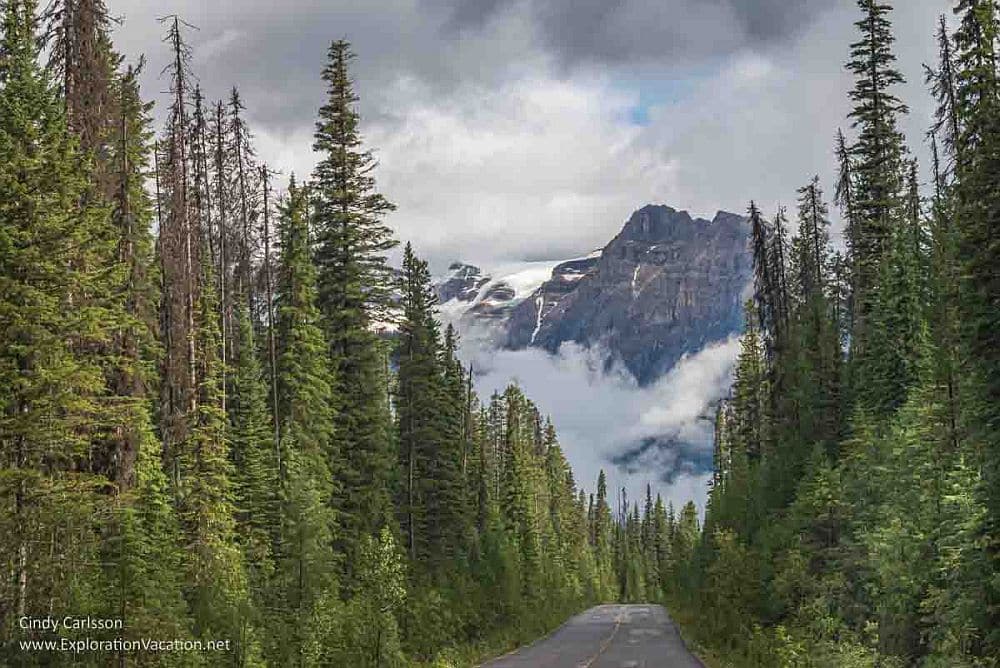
[
  {"x": 178, "y": 245},
  {"x": 452, "y": 466},
  {"x": 244, "y": 192},
  {"x": 81, "y": 58},
  {"x": 255, "y": 480},
  {"x": 419, "y": 402},
  {"x": 978, "y": 153},
  {"x": 144, "y": 555},
  {"x": 878, "y": 171},
  {"x": 750, "y": 394},
  {"x": 813, "y": 363},
  {"x": 217, "y": 584},
  {"x": 305, "y": 580},
  {"x": 353, "y": 292},
  {"x": 58, "y": 277},
  {"x": 943, "y": 82}
]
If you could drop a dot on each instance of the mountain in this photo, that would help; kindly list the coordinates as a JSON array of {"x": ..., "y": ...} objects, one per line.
[{"x": 665, "y": 286}]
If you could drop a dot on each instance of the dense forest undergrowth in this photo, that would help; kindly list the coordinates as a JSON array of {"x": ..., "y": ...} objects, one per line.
[{"x": 854, "y": 515}]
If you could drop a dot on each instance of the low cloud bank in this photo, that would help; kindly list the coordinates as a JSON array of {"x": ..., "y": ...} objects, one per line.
[{"x": 660, "y": 434}]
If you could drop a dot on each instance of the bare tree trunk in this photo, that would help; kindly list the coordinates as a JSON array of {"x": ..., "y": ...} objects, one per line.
[
  {"x": 269, "y": 297},
  {"x": 243, "y": 280},
  {"x": 223, "y": 259},
  {"x": 165, "y": 322},
  {"x": 22, "y": 555},
  {"x": 180, "y": 208}
]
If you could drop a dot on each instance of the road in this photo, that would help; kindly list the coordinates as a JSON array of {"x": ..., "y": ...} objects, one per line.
[{"x": 608, "y": 636}]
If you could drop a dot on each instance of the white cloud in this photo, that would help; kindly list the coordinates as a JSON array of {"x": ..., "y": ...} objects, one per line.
[
  {"x": 602, "y": 417},
  {"x": 538, "y": 168},
  {"x": 497, "y": 147},
  {"x": 549, "y": 163}
]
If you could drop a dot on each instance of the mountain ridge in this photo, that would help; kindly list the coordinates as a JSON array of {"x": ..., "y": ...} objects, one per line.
[{"x": 666, "y": 285}]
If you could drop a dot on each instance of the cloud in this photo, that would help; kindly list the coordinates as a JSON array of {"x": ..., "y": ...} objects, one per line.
[
  {"x": 659, "y": 435},
  {"x": 530, "y": 129},
  {"x": 634, "y": 31},
  {"x": 523, "y": 129},
  {"x": 275, "y": 52},
  {"x": 533, "y": 169}
]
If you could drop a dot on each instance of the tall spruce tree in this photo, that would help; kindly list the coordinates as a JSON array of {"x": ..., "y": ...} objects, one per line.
[
  {"x": 878, "y": 171},
  {"x": 353, "y": 292},
  {"x": 217, "y": 584},
  {"x": 815, "y": 349},
  {"x": 254, "y": 459},
  {"x": 419, "y": 394},
  {"x": 306, "y": 565},
  {"x": 59, "y": 277},
  {"x": 978, "y": 152}
]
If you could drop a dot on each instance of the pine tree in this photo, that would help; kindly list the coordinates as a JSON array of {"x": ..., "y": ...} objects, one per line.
[
  {"x": 452, "y": 467},
  {"x": 896, "y": 323},
  {"x": 306, "y": 568},
  {"x": 382, "y": 580},
  {"x": 601, "y": 537},
  {"x": 878, "y": 171},
  {"x": 419, "y": 402},
  {"x": 225, "y": 239},
  {"x": 255, "y": 466},
  {"x": 217, "y": 584},
  {"x": 144, "y": 555},
  {"x": 58, "y": 278},
  {"x": 133, "y": 374},
  {"x": 978, "y": 150},
  {"x": 518, "y": 491},
  {"x": 750, "y": 393},
  {"x": 245, "y": 189},
  {"x": 943, "y": 83},
  {"x": 306, "y": 399},
  {"x": 180, "y": 262},
  {"x": 844, "y": 199},
  {"x": 661, "y": 545},
  {"x": 353, "y": 291},
  {"x": 686, "y": 534},
  {"x": 813, "y": 362},
  {"x": 77, "y": 33},
  {"x": 764, "y": 280}
]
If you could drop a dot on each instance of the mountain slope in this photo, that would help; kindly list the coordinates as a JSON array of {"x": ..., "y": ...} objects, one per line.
[{"x": 665, "y": 286}]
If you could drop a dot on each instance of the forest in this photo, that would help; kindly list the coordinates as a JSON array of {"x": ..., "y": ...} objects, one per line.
[
  {"x": 854, "y": 515},
  {"x": 225, "y": 418}
]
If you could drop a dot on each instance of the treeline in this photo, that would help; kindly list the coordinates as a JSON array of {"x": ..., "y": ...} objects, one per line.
[
  {"x": 203, "y": 435},
  {"x": 854, "y": 515}
]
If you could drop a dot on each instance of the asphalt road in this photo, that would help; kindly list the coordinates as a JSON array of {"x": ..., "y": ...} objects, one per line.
[{"x": 608, "y": 636}]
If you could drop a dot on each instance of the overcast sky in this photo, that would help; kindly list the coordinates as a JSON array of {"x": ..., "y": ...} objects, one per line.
[
  {"x": 531, "y": 129},
  {"x": 513, "y": 130}
]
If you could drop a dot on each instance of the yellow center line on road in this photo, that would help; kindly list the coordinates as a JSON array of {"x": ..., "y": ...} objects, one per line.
[{"x": 607, "y": 642}]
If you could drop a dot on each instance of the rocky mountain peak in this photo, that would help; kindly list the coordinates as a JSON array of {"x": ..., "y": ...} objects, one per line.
[
  {"x": 664, "y": 287},
  {"x": 462, "y": 283}
]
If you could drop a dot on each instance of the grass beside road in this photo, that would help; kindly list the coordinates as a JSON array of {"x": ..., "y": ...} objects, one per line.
[
  {"x": 499, "y": 643},
  {"x": 704, "y": 654}
]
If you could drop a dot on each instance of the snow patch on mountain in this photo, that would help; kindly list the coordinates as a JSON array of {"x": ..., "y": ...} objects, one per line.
[
  {"x": 503, "y": 286},
  {"x": 523, "y": 278},
  {"x": 540, "y": 307}
]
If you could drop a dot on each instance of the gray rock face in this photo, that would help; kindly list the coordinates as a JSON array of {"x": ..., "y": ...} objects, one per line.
[
  {"x": 462, "y": 284},
  {"x": 664, "y": 287}
]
